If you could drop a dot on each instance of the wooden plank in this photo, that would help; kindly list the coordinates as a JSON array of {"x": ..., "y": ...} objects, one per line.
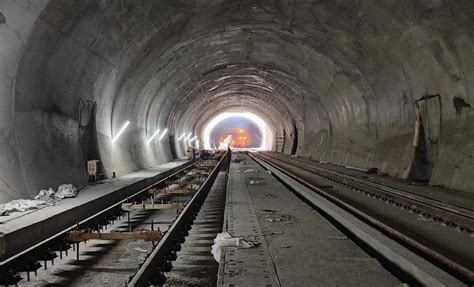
[
  {"x": 151, "y": 206},
  {"x": 82, "y": 236},
  {"x": 184, "y": 191}
]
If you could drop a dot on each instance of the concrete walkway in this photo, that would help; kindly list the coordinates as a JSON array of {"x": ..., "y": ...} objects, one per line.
[
  {"x": 18, "y": 228},
  {"x": 299, "y": 247}
]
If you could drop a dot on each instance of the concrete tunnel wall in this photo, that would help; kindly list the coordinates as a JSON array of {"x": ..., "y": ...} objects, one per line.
[{"x": 347, "y": 74}]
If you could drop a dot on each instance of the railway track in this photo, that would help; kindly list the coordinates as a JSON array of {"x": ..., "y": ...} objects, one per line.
[
  {"x": 175, "y": 220},
  {"x": 159, "y": 261},
  {"x": 145, "y": 229},
  {"x": 194, "y": 264},
  {"x": 456, "y": 216},
  {"x": 342, "y": 198}
]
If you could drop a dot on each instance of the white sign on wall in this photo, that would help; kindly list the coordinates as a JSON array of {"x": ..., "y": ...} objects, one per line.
[{"x": 92, "y": 167}]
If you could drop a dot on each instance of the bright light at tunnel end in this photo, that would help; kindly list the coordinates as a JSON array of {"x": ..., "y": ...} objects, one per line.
[{"x": 263, "y": 127}]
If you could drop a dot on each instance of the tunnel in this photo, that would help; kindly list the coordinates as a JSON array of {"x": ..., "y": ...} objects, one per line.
[
  {"x": 368, "y": 85},
  {"x": 344, "y": 77}
]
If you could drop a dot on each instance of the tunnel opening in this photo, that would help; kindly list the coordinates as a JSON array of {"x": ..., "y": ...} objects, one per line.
[
  {"x": 238, "y": 131},
  {"x": 235, "y": 132}
]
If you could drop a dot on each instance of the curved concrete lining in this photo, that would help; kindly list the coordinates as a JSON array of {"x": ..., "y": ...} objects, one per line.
[{"x": 342, "y": 78}]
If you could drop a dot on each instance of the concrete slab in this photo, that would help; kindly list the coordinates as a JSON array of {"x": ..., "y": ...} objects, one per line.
[
  {"x": 299, "y": 246},
  {"x": 456, "y": 198},
  {"x": 447, "y": 240},
  {"x": 19, "y": 229}
]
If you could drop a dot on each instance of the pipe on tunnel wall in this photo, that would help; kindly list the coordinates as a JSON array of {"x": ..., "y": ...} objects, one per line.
[{"x": 346, "y": 74}]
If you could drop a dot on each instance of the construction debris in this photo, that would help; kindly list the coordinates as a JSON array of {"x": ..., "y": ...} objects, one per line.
[
  {"x": 64, "y": 191},
  {"x": 20, "y": 205},
  {"x": 255, "y": 182},
  {"x": 140, "y": 250},
  {"x": 224, "y": 239},
  {"x": 44, "y": 197},
  {"x": 274, "y": 216}
]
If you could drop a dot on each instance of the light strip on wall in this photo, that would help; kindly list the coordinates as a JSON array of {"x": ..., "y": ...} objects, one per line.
[
  {"x": 189, "y": 135},
  {"x": 193, "y": 139},
  {"x": 121, "y": 131},
  {"x": 153, "y": 136},
  {"x": 182, "y": 136},
  {"x": 163, "y": 134}
]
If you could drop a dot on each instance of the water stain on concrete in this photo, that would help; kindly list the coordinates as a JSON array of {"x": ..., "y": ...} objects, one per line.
[
  {"x": 3, "y": 20},
  {"x": 459, "y": 103}
]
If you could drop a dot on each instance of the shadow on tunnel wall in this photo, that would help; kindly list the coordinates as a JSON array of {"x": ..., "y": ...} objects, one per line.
[{"x": 88, "y": 140}]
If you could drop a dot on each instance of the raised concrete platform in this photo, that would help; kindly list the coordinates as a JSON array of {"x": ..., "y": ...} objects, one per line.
[
  {"x": 299, "y": 247},
  {"x": 19, "y": 228}
]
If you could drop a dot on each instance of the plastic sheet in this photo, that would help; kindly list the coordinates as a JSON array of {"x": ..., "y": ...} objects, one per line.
[
  {"x": 224, "y": 239},
  {"x": 20, "y": 205},
  {"x": 44, "y": 197},
  {"x": 66, "y": 191}
]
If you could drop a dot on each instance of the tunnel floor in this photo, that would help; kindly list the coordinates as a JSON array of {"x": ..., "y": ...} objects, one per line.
[
  {"x": 293, "y": 241},
  {"x": 299, "y": 247}
]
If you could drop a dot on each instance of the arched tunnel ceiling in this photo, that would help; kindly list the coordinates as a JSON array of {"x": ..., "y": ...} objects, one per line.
[{"x": 345, "y": 73}]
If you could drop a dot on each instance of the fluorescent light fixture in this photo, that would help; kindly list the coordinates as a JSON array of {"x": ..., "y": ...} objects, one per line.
[
  {"x": 197, "y": 144},
  {"x": 181, "y": 137},
  {"x": 193, "y": 139},
  {"x": 153, "y": 136},
  {"x": 121, "y": 131},
  {"x": 163, "y": 134},
  {"x": 189, "y": 135}
]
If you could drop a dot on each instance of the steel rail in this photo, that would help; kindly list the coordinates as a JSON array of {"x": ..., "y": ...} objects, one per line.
[
  {"x": 420, "y": 269},
  {"x": 457, "y": 215},
  {"x": 151, "y": 267}
]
